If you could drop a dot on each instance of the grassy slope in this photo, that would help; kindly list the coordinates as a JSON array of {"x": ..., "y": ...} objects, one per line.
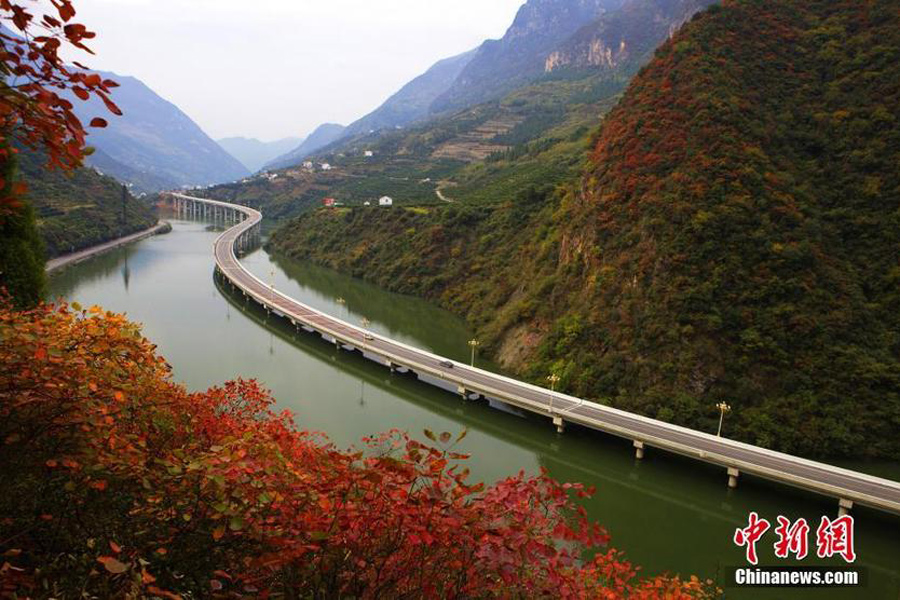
[
  {"x": 735, "y": 236},
  {"x": 80, "y": 209}
]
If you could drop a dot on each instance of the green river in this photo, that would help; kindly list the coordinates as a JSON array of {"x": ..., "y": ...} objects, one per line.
[{"x": 667, "y": 513}]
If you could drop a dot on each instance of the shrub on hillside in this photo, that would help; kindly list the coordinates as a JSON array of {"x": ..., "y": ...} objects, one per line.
[{"x": 118, "y": 482}]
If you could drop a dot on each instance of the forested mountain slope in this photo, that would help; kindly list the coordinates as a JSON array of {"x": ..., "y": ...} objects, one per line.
[
  {"x": 81, "y": 208},
  {"x": 735, "y": 236}
]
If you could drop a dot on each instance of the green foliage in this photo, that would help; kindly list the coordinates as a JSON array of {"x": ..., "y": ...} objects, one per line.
[
  {"x": 742, "y": 211},
  {"x": 79, "y": 209},
  {"x": 21, "y": 251}
]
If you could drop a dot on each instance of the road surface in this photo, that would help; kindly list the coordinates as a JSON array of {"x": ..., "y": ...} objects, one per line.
[{"x": 849, "y": 487}]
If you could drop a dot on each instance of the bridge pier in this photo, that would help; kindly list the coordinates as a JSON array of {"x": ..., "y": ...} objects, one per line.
[
  {"x": 560, "y": 424},
  {"x": 844, "y": 507},
  {"x": 733, "y": 475},
  {"x": 638, "y": 449}
]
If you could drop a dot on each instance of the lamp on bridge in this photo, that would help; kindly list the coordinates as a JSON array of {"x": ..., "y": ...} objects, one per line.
[
  {"x": 473, "y": 343},
  {"x": 343, "y": 303},
  {"x": 553, "y": 378},
  {"x": 723, "y": 408}
]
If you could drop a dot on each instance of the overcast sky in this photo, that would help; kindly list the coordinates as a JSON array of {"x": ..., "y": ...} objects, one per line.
[{"x": 276, "y": 68}]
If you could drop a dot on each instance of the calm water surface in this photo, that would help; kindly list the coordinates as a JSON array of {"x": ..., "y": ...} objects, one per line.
[{"x": 668, "y": 514}]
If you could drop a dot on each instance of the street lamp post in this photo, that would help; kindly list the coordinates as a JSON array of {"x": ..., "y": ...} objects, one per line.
[
  {"x": 553, "y": 378},
  {"x": 343, "y": 304},
  {"x": 272, "y": 287},
  {"x": 723, "y": 408},
  {"x": 473, "y": 343},
  {"x": 365, "y": 324}
]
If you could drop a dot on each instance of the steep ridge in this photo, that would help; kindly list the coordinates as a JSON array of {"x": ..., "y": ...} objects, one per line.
[
  {"x": 624, "y": 39},
  {"x": 736, "y": 237},
  {"x": 156, "y": 140},
  {"x": 414, "y": 99},
  {"x": 500, "y": 66}
]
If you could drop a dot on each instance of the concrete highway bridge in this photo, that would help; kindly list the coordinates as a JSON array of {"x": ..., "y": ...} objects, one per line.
[{"x": 847, "y": 487}]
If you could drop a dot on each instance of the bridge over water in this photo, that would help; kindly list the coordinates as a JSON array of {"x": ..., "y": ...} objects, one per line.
[{"x": 848, "y": 487}]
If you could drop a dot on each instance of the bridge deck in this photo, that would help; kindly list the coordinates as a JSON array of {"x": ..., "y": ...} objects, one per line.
[{"x": 818, "y": 477}]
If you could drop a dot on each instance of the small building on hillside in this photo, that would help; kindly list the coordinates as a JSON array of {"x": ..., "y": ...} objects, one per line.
[
  {"x": 369, "y": 154},
  {"x": 385, "y": 201},
  {"x": 329, "y": 202},
  {"x": 325, "y": 167},
  {"x": 308, "y": 165}
]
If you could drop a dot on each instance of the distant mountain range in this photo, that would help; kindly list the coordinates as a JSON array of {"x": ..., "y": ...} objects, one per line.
[
  {"x": 255, "y": 154},
  {"x": 154, "y": 145},
  {"x": 547, "y": 39},
  {"x": 321, "y": 137}
]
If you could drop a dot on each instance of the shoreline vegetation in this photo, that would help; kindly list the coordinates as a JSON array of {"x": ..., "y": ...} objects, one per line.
[{"x": 61, "y": 262}]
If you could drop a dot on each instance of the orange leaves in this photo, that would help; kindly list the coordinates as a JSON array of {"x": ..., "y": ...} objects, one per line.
[
  {"x": 217, "y": 485},
  {"x": 99, "y": 123},
  {"x": 112, "y": 565},
  {"x": 41, "y": 117}
]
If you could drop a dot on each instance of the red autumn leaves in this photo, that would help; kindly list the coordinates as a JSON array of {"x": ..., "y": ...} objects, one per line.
[{"x": 214, "y": 494}]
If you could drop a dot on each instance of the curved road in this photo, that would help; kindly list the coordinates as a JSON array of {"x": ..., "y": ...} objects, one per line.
[{"x": 848, "y": 486}]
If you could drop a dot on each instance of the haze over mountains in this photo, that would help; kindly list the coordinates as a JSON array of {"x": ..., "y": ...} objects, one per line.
[
  {"x": 546, "y": 38},
  {"x": 154, "y": 145},
  {"x": 255, "y": 154}
]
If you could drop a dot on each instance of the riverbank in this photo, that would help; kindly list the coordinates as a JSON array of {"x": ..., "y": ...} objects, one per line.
[{"x": 61, "y": 262}]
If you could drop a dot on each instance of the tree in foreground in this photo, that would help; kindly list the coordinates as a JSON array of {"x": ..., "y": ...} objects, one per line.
[
  {"x": 34, "y": 111},
  {"x": 119, "y": 483}
]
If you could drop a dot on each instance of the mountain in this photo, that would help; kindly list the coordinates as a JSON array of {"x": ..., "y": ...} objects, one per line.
[
  {"x": 733, "y": 234},
  {"x": 156, "y": 140},
  {"x": 321, "y": 137},
  {"x": 739, "y": 225},
  {"x": 81, "y": 208},
  {"x": 623, "y": 39},
  {"x": 141, "y": 182},
  {"x": 254, "y": 154},
  {"x": 533, "y": 136},
  {"x": 414, "y": 100},
  {"x": 500, "y": 66}
]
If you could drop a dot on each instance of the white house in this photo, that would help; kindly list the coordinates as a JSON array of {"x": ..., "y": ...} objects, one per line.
[
  {"x": 308, "y": 165},
  {"x": 325, "y": 167},
  {"x": 369, "y": 154},
  {"x": 385, "y": 201}
]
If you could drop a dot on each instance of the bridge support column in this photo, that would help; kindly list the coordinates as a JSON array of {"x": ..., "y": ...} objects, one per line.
[
  {"x": 638, "y": 449},
  {"x": 560, "y": 424},
  {"x": 844, "y": 507},
  {"x": 462, "y": 391},
  {"x": 733, "y": 475}
]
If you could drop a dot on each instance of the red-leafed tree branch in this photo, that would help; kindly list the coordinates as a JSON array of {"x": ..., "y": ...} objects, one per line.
[{"x": 33, "y": 106}]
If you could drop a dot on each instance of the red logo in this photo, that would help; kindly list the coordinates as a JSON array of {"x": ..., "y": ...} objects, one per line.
[
  {"x": 833, "y": 538},
  {"x": 750, "y": 535},
  {"x": 836, "y": 537}
]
